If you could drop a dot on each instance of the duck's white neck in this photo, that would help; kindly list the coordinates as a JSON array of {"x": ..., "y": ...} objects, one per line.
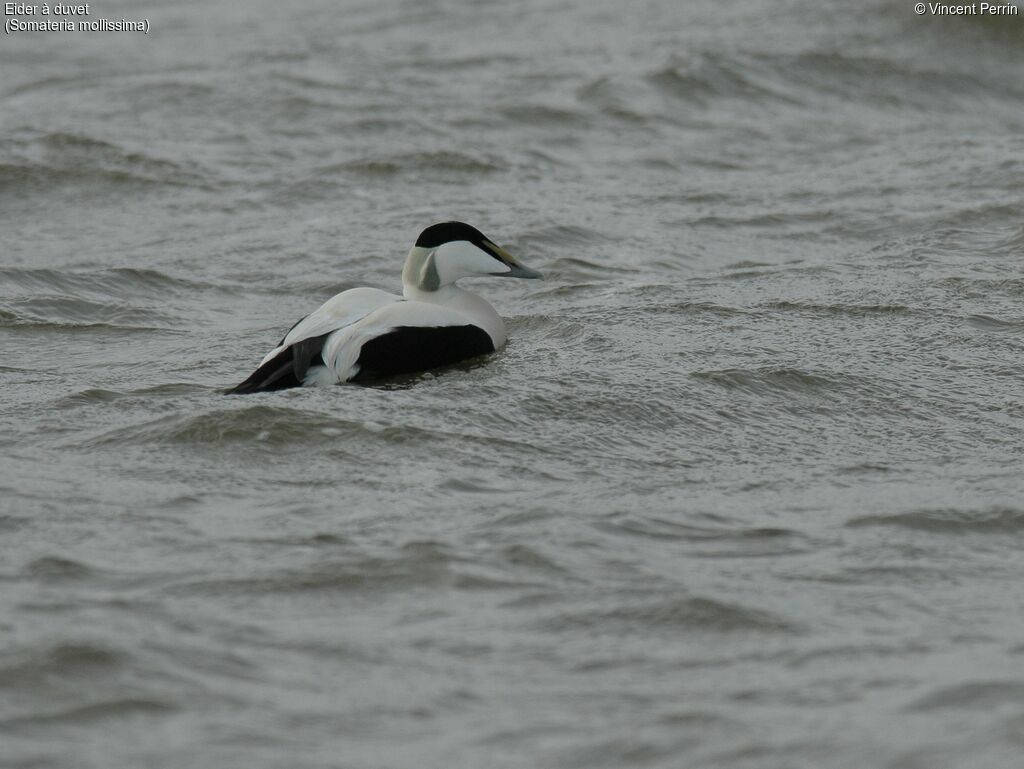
[{"x": 475, "y": 307}]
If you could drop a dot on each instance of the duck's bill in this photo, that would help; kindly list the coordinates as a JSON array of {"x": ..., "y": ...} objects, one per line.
[
  {"x": 521, "y": 271},
  {"x": 516, "y": 268}
]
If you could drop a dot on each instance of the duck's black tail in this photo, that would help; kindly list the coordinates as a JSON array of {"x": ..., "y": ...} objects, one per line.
[{"x": 284, "y": 370}]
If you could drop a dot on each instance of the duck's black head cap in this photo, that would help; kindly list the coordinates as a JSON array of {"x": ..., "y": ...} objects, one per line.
[{"x": 446, "y": 232}]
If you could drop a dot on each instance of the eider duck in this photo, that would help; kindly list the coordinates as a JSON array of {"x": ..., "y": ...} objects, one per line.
[{"x": 366, "y": 333}]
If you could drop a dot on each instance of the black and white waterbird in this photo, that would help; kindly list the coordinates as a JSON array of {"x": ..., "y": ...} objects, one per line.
[{"x": 366, "y": 333}]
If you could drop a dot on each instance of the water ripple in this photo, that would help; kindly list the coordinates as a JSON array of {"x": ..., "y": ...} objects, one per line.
[
  {"x": 686, "y": 613},
  {"x": 59, "y": 158},
  {"x": 954, "y": 521}
]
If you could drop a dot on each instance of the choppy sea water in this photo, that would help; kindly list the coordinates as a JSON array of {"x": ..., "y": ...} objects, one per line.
[{"x": 744, "y": 489}]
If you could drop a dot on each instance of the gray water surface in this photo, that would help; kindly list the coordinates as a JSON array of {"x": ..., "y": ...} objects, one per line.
[{"x": 743, "y": 490}]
